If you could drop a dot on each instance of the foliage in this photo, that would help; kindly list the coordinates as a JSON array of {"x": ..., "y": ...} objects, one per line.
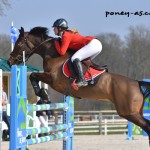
[
  {"x": 138, "y": 52},
  {"x": 4, "y": 4},
  {"x": 5, "y": 45}
]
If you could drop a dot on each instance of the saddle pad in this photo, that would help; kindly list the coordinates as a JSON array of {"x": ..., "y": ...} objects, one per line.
[{"x": 91, "y": 73}]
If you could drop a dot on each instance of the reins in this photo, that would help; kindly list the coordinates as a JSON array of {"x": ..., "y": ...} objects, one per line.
[
  {"x": 31, "y": 47},
  {"x": 34, "y": 48}
]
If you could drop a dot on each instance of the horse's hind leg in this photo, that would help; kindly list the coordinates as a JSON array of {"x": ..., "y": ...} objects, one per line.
[{"x": 140, "y": 121}]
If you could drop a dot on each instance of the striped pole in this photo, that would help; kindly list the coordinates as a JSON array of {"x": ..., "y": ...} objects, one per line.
[
  {"x": 47, "y": 129},
  {"x": 55, "y": 106},
  {"x": 47, "y": 138}
]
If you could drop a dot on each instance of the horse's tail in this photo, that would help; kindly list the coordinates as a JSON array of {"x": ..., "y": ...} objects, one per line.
[{"x": 145, "y": 88}]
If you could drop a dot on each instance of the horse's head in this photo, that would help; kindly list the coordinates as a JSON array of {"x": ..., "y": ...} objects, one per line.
[
  {"x": 22, "y": 44},
  {"x": 29, "y": 42}
]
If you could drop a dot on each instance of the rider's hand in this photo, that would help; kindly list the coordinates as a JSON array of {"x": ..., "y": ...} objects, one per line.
[{"x": 57, "y": 41}]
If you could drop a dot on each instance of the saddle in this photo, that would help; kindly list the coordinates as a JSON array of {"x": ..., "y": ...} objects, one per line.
[{"x": 91, "y": 71}]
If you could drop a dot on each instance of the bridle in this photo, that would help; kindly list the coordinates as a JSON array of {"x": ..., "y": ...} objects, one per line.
[{"x": 31, "y": 47}]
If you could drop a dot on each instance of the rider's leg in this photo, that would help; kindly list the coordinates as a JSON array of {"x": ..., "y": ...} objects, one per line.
[
  {"x": 90, "y": 50},
  {"x": 78, "y": 67}
]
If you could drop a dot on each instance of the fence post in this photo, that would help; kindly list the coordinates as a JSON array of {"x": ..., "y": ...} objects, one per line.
[
  {"x": 129, "y": 136},
  {"x": 56, "y": 118},
  {"x": 100, "y": 123},
  {"x": 68, "y": 118},
  {"x": 105, "y": 126}
]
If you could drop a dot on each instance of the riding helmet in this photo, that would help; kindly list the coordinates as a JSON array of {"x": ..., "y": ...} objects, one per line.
[{"x": 62, "y": 23}]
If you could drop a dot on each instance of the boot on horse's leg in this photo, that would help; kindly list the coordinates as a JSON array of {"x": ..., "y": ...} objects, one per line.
[
  {"x": 41, "y": 92},
  {"x": 78, "y": 68}
]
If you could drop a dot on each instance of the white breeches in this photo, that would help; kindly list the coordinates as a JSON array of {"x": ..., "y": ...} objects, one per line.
[
  {"x": 91, "y": 50},
  {"x": 43, "y": 120}
]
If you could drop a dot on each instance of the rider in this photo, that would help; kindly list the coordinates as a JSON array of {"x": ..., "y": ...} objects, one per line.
[{"x": 85, "y": 47}]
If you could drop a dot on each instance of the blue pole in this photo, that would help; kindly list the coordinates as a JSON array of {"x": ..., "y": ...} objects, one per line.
[
  {"x": 18, "y": 108},
  {"x": 68, "y": 118},
  {"x": 129, "y": 137}
]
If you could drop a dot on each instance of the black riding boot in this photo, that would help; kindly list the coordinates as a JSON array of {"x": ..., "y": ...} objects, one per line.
[{"x": 78, "y": 68}]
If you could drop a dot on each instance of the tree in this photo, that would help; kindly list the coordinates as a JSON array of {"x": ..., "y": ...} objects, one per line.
[
  {"x": 138, "y": 52},
  {"x": 112, "y": 52},
  {"x": 5, "y": 45},
  {"x": 4, "y": 4}
]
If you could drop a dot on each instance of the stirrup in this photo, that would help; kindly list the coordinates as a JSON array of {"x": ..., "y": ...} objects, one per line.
[{"x": 81, "y": 83}]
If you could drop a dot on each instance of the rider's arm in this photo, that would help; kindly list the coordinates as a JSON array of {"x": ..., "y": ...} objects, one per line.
[{"x": 66, "y": 39}]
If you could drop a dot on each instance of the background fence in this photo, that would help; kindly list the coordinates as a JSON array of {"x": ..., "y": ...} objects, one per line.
[
  {"x": 96, "y": 122},
  {"x": 89, "y": 122}
]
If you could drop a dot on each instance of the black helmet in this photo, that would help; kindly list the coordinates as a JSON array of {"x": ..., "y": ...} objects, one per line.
[{"x": 62, "y": 23}]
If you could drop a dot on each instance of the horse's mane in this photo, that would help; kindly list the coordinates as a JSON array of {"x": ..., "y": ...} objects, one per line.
[{"x": 38, "y": 31}]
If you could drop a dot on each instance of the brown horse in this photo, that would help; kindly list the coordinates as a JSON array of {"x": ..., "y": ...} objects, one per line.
[{"x": 125, "y": 93}]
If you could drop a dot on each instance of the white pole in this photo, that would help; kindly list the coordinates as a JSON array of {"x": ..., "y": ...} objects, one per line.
[
  {"x": 12, "y": 44},
  {"x": 24, "y": 58},
  {"x": 1, "y": 79}
]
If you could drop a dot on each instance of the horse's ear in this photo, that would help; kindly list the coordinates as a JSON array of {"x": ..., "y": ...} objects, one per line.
[{"x": 21, "y": 31}]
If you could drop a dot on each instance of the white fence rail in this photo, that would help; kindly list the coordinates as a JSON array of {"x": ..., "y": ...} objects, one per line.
[
  {"x": 97, "y": 122},
  {"x": 93, "y": 122}
]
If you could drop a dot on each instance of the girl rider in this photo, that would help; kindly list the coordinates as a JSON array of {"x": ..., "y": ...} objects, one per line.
[{"x": 85, "y": 47}]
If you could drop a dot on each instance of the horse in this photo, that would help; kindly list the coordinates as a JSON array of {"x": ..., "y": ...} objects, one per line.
[{"x": 125, "y": 93}]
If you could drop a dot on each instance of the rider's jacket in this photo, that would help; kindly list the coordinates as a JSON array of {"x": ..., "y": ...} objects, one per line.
[{"x": 73, "y": 41}]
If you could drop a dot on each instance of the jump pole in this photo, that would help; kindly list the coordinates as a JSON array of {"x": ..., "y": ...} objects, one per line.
[{"x": 19, "y": 108}]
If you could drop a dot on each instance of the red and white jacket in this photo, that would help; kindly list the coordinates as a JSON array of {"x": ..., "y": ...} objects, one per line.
[{"x": 73, "y": 41}]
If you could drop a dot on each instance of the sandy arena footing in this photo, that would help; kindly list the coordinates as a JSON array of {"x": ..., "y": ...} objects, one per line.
[{"x": 94, "y": 142}]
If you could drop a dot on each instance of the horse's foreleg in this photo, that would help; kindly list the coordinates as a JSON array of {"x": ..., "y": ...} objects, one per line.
[{"x": 41, "y": 92}]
